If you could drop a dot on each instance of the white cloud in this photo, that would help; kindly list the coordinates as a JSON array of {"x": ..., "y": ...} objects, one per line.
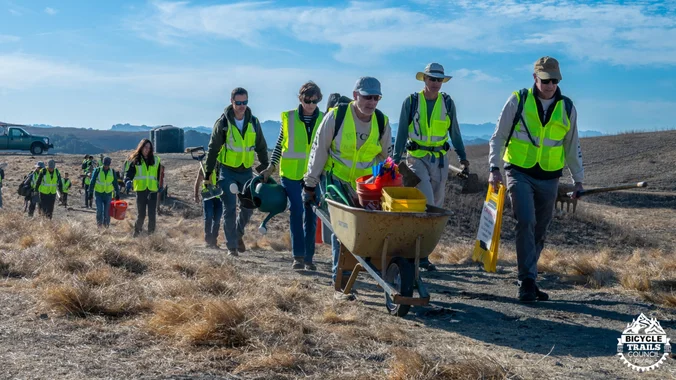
[
  {"x": 624, "y": 34},
  {"x": 8, "y": 38},
  {"x": 51, "y": 11},
  {"x": 14, "y": 12},
  {"x": 474, "y": 75}
]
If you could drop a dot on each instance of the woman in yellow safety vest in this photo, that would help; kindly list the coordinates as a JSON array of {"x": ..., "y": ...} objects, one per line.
[
  {"x": 144, "y": 173},
  {"x": 291, "y": 153}
]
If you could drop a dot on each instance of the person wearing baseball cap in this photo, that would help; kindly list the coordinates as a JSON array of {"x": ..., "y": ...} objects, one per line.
[
  {"x": 341, "y": 157},
  {"x": 49, "y": 180},
  {"x": 536, "y": 136},
  {"x": 427, "y": 120},
  {"x": 104, "y": 181}
]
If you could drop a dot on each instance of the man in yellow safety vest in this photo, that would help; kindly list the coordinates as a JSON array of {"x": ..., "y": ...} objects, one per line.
[
  {"x": 235, "y": 141},
  {"x": 536, "y": 136}
]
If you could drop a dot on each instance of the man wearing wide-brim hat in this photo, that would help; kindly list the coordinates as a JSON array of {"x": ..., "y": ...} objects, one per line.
[
  {"x": 536, "y": 137},
  {"x": 427, "y": 120}
]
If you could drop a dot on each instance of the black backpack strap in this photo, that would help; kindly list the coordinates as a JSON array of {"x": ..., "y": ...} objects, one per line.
[
  {"x": 568, "y": 104},
  {"x": 414, "y": 107},
  {"x": 340, "y": 116},
  {"x": 523, "y": 94},
  {"x": 380, "y": 118}
]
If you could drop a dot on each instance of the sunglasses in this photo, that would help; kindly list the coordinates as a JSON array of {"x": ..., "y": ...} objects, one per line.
[
  {"x": 433, "y": 79},
  {"x": 310, "y": 101},
  {"x": 242, "y": 103},
  {"x": 548, "y": 81},
  {"x": 372, "y": 97}
]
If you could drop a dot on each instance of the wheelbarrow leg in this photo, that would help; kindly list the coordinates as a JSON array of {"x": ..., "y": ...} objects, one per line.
[{"x": 353, "y": 277}]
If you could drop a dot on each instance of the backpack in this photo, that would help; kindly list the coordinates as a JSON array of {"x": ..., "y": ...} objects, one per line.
[
  {"x": 523, "y": 94},
  {"x": 340, "y": 116},
  {"x": 25, "y": 185}
]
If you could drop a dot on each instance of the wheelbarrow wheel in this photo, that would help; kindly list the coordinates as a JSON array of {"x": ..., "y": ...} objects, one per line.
[{"x": 400, "y": 275}]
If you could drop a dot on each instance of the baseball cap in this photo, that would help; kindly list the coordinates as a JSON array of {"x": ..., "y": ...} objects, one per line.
[
  {"x": 51, "y": 164},
  {"x": 107, "y": 161},
  {"x": 40, "y": 164},
  {"x": 368, "y": 86},
  {"x": 547, "y": 68}
]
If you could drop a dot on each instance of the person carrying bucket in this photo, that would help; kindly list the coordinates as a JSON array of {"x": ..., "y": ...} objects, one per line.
[
  {"x": 104, "y": 183},
  {"x": 236, "y": 139},
  {"x": 213, "y": 209},
  {"x": 296, "y": 135},
  {"x": 350, "y": 140},
  {"x": 144, "y": 174}
]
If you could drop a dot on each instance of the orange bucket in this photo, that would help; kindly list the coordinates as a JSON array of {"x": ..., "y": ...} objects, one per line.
[
  {"x": 369, "y": 193},
  {"x": 118, "y": 209}
]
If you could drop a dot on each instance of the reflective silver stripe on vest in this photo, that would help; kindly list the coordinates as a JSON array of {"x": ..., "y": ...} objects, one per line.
[
  {"x": 553, "y": 143},
  {"x": 521, "y": 134},
  {"x": 290, "y": 154}
]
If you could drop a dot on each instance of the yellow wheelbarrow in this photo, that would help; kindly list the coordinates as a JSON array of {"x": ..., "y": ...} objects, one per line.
[{"x": 388, "y": 246}]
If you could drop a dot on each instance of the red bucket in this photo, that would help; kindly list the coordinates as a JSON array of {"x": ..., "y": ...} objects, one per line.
[
  {"x": 118, "y": 209},
  {"x": 369, "y": 193}
]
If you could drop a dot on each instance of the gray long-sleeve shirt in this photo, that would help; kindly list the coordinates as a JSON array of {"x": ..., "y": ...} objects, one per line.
[
  {"x": 321, "y": 146},
  {"x": 404, "y": 121},
  {"x": 571, "y": 142},
  {"x": 220, "y": 133}
]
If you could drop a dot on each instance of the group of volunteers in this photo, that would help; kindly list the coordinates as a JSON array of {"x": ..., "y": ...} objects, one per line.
[{"x": 535, "y": 137}]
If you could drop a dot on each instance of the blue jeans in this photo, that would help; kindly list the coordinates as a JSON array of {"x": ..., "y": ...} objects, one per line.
[
  {"x": 335, "y": 243},
  {"x": 302, "y": 220},
  {"x": 103, "y": 208},
  {"x": 213, "y": 210},
  {"x": 233, "y": 224}
]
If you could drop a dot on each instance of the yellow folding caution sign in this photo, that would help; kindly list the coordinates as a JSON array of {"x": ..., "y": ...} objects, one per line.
[{"x": 488, "y": 236}]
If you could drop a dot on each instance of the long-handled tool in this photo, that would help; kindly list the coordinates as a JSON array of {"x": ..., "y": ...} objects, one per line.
[
  {"x": 470, "y": 180},
  {"x": 607, "y": 189},
  {"x": 209, "y": 190}
]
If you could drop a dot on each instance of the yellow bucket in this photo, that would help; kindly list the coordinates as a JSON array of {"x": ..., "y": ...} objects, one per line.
[{"x": 403, "y": 199}]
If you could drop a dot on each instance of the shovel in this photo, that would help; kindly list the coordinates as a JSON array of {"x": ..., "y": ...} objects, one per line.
[
  {"x": 470, "y": 181},
  {"x": 210, "y": 191},
  {"x": 409, "y": 178}
]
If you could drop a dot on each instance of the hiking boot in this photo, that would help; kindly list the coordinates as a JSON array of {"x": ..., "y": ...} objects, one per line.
[
  {"x": 541, "y": 296},
  {"x": 297, "y": 264},
  {"x": 310, "y": 266},
  {"x": 528, "y": 291},
  {"x": 240, "y": 245},
  {"x": 428, "y": 266},
  {"x": 232, "y": 253}
]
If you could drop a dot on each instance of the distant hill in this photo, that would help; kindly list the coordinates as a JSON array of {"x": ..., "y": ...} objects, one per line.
[
  {"x": 201, "y": 129},
  {"x": 130, "y": 128}
]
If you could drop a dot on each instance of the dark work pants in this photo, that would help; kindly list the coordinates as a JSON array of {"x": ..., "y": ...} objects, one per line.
[
  {"x": 145, "y": 200},
  {"x": 533, "y": 204},
  {"x": 64, "y": 199},
  {"x": 47, "y": 204}
]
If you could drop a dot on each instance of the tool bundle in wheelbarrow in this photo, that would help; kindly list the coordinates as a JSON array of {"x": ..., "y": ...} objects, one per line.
[{"x": 209, "y": 190}]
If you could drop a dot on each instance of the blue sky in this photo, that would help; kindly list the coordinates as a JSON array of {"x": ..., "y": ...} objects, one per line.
[{"x": 97, "y": 63}]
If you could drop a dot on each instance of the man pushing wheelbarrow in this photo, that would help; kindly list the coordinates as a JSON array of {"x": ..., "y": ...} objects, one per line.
[{"x": 365, "y": 240}]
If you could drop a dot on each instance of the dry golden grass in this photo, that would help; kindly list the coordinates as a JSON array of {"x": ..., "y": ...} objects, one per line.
[
  {"x": 410, "y": 365},
  {"x": 211, "y": 322},
  {"x": 451, "y": 255},
  {"x": 275, "y": 361},
  {"x": 331, "y": 316}
]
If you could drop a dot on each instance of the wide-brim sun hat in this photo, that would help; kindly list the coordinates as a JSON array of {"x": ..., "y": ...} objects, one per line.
[{"x": 434, "y": 70}]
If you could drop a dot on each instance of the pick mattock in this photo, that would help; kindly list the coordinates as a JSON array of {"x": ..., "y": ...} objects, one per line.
[
  {"x": 209, "y": 191},
  {"x": 470, "y": 181}
]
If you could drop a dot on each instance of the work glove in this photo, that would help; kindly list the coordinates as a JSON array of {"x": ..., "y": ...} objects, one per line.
[
  {"x": 309, "y": 195},
  {"x": 464, "y": 165},
  {"x": 578, "y": 189},
  {"x": 267, "y": 173},
  {"x": 495, "y": 178}
]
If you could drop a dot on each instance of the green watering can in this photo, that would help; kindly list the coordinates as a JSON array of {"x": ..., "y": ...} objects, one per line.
[{"x": 267, "y": 197}]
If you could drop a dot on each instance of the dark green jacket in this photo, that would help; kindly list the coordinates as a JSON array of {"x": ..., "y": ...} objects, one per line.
[{"x": 220, "y": 133}]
